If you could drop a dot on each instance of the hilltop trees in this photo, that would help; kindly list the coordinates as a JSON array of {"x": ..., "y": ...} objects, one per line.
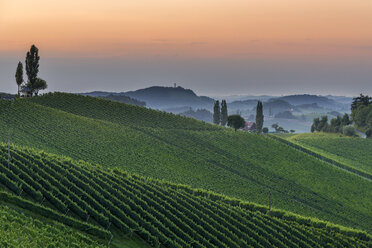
[
  {"x": 34, "y": 84},
  {"x": 223, "y": 113},
  {"x": 259, "y": 117},
  {"x": 216, "y": 113},
  {"x": 235, "y": 121},
  {"x": 220, "y": 113},
  {"x": 19, "y": 76}
]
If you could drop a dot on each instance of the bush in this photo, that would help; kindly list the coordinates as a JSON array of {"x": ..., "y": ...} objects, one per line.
[
  {"x": 349, "y": 131},
  {"x": 369, "y": 133},
  {"x": 265, "y": 130}
]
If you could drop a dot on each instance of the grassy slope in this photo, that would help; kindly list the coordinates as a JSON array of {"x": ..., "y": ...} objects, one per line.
[
  {"x": 173, "y": 215},
  {"x": 233, "y": 163},
  {"x": 20, "y": 230},
  {"x": 354, "y": 152}
]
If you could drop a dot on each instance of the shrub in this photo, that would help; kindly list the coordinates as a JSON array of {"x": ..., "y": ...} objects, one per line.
[
  {"x": 369, "y": 132},
  {"x": 349, "y": 131}
]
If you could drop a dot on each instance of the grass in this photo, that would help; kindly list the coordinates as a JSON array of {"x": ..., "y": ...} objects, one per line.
[
  {"x": 160, "y": 213},
  {"x": 236, "y": 164}
]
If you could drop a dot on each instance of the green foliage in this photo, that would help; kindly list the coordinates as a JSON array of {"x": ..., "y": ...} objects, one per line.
[
  {"x": 349, "y": 131},
  {"x": 224, "y": 114},
  {"x": 183, "y": 150},
  {"x": 216, "y": 113},
  {"x": 40, "y": 84},
  {"x": 265, "y": 130},
  {"x": 20, "y": 230},
  {"x": 336, "y": 125},
  {"x": 235, "y": 121},
  {"x": 259, "y": 117},
  {"x": 369, "y": 133},
  {"x": 165, "y": 214}
]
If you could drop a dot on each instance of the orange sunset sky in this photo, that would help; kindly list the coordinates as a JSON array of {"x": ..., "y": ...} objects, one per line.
[{"x": 218, "y": 30}]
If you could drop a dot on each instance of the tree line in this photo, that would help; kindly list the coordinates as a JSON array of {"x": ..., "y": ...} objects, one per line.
[
  {"x": 34, "y": 84},
  {"x": 221, "y": 117},
  {"x": 361, "y": 117}
]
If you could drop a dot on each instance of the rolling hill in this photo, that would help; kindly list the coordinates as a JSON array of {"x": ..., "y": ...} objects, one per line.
[
  {"x": 353, "y": 152},
  {"x": 159, "y": 97},
  {"x": 186, "y": 151},
  {"x": 114, "y": 203}
]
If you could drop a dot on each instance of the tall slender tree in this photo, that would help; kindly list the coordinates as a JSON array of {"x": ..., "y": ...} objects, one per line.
[
  {"x": 19, "y": 76},
  {"x": 32, "y": 67},
  {"x": 216, "y": 113},
  {"x": 259, "y": 117},
  {"x": 223, "y": 113}
]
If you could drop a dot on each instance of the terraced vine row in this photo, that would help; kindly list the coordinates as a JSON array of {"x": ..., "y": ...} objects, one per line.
[
  {"x": 235, "y": 164},
  {"x": 19, "y": 230},
  {"x": 162, "y": 214}
]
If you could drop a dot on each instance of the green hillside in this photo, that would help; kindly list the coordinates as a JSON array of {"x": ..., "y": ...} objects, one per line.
[
  {"x": 160, "y": 213},
  {"x": 236, "y": 164},
  {"x": 20, "y": 230},
  {"x": 354, "y": 152},
  {"x": 119, "y": 113}
]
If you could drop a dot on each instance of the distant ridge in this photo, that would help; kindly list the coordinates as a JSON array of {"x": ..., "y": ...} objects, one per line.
[{"x": 160, "y": 97}]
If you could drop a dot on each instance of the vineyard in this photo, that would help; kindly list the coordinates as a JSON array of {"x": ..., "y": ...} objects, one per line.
[
  {"x": 119, "y": 113},
  {"x": 354, "y": 152},
  {"x": 19, "y": 230},
  {"x": 236, "y": 164},
  {"x": 105, "y": 202}
]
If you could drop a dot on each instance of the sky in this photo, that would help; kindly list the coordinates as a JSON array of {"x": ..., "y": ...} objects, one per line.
[{"x": 215, "y": 47}]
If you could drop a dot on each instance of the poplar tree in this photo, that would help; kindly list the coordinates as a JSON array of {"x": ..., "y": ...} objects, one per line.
[
  {"x": 223, "y": 113},
  {"x": 216, "y": 113},
  {"x": 19, "y": 75},
  {"x": 32, "y": 67},
  {"x": 259, "y": 117}
]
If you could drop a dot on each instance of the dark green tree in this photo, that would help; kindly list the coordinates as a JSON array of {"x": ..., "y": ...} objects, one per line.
[
  {"x": 216, "y": 113},
  {"x": 265, "y": 130},
  {"x": 235, "y": 121},
  {"x": 361, "y": 100},
  {"x": 32, "y": 67},
  {"x": 323, "y": 124},
  {"x": 345, "y": 120},
  {"x": 19, "y": 76},
  {"x": 259, "y": 117},
  {"x": 315, "y": 125},
  {"x": 223, "y": 113},
  {"x": 369, "y": 133},
  {"x": 40, "y": 84}
]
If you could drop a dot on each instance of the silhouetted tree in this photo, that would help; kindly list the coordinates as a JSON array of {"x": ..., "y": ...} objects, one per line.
[
  {"x": 235, "y": 121},
  {"x": 19, "y": 76},
  {"x": 259, "y": 117},
  {"x": 32, "y": 67},
  {"x": 40, "y": 84},
  {"x": 360, "y": 100},
  {"x": 223, "y": 113},
  {"x": 216, "y": 113}
]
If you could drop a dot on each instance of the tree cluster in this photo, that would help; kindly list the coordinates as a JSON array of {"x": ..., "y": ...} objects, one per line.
[
  {"x": 279, "y": 129},
  {"x": 220, "y": 113},
  {"x": 361, "y": 113},
  {"x": 33, "y": 84},
  {"x": 336, "y": 125}
]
